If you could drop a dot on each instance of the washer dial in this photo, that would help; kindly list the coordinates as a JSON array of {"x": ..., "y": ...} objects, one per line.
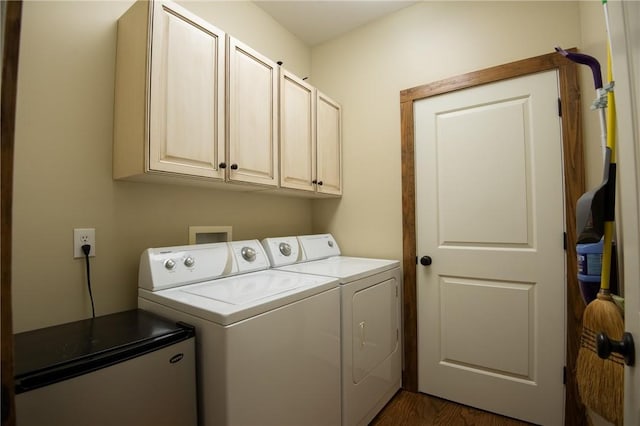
[
  {"x": 248, "y": 254},
  {"x": 285, "y": 249},
  {"x": 170, "y": 264}
]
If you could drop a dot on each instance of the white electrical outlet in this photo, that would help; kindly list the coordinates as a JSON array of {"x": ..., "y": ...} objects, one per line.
[{"x": 82, "y": 236}]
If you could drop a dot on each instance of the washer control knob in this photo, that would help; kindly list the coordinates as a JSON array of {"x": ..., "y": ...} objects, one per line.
[
  {"x": 330, "y": 243},
  {"x": 189, "y": 262},
  {"x": 285, "y": 249},
  {"x": 170, "y": 264},
  {"x": 248, "y": 254}
]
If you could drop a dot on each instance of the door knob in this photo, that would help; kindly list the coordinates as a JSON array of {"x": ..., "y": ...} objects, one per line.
[
  {"x": 425, "y": 260},
  {"x": 624, "y": 347}
]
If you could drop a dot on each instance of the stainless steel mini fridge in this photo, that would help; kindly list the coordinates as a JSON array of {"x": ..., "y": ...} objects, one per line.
[{"x": 129, "y": 368}]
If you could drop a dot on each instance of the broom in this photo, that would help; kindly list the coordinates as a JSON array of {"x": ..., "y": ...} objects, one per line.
[{"x": 600, "y": 381}]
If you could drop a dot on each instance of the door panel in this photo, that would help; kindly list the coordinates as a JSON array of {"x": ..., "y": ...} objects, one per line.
[
  {"x": 471, "y": 176},
  {"x": 464, "y": 326},
  {"x": 490, "y": 213},
  {"x": 375, "y": 327}
]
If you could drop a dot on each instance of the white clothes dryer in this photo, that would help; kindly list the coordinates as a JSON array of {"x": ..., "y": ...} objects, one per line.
[
  {"x": 267, "y": 341},
  {"x": 370, "y": 318}
]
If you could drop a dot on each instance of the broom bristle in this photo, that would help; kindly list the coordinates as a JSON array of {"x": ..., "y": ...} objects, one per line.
[
  {"x": 603, "y": 315},
  {"x": 600, "y": 381}
]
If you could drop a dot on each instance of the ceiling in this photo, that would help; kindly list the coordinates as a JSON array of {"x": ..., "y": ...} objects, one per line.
[{"x": 317, "y": 21}]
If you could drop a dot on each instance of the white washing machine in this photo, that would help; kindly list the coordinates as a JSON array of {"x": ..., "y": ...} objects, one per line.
[
  {"x": 267, "y": 341},
  {"x": 370, "y": 317}
]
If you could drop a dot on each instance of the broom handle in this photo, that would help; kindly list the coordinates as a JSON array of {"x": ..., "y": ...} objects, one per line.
[
  {"x": 611, "y": 112},
  {"x": 607, "y": 247},
  {"x": 611, "y": 144}
]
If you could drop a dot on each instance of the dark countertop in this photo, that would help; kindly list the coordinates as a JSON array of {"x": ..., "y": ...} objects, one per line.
[{"x": 60, "y": 352}]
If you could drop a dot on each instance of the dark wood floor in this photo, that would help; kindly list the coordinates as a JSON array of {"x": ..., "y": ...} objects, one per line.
[{"x": 413, "y": 409}]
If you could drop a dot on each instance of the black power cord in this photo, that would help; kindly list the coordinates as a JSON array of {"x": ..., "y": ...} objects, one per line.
[{"x": 86, "y": 249}]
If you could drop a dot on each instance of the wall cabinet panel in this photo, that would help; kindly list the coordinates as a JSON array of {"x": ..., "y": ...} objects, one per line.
[
  {"x": 194, "y": 105},
  {"x": 310, "y": 138},
  {"x": 169, "y": 100},
  {"x": 253, "y": 111},
  {"x": 329, "y": 145},
  {"x": 297, "y": 133}
]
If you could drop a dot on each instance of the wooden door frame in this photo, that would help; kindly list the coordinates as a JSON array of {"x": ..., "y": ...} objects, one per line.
[
  {"x": 10, "y": 50},
  {"x": 574, "y": 183}
]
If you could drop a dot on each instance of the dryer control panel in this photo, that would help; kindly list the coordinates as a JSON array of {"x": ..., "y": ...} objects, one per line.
[
  {"x": 283, "y": 251},
  {"x": 249, "y": 256},
  {"x": 319, "y": 246}
]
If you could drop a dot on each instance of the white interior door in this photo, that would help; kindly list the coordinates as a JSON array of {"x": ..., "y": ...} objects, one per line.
[
  {"x": 625, "y": 26},
  {"x": 490, "y": 214}
]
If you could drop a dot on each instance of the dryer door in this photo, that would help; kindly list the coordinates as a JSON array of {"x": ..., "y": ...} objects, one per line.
[{"x": 375, "y": 326}]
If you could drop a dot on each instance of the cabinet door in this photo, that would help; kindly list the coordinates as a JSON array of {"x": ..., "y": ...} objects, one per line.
[
  {"x": 186, "y": 101},
  {"x": 329, "y": 140},
  {"x": 297, "y": 133},
  {"x": 253, "y": 146}
]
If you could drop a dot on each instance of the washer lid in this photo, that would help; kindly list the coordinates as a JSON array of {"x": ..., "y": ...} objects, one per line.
[
  {"x": 229, "y": 300},
  {"x": 345, "y": 268},
  {"x": 244, "y": 289}
]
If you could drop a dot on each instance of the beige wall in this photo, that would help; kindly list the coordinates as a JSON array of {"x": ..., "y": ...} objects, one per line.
[
  {"x": 417, "y": 45},
  {"x": 366, "y": 69},
  {"x": 64, "y": 118},
  {"x": 251, "y": 25},
  {"x": 63, "y": 164},
  {"x": 593, "y": 42}
]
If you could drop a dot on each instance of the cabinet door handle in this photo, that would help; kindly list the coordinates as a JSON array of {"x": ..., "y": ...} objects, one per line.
[
  {"x": 234, "y": 166},
  {"x": 222, "y": 165},
  {"x": 314, "y": 181},
  {"x": 320, "y": 182}
]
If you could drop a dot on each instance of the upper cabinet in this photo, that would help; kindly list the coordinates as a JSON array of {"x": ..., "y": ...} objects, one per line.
[
  {"x": 169, "y": 97},
  {"x": 329, "y": 140},
  {"x": 253, "y": 112},
  {"x": 297, "y": 133},
  {"x": 195, "y": 105},
  {"x": 310, "y": 138}
]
